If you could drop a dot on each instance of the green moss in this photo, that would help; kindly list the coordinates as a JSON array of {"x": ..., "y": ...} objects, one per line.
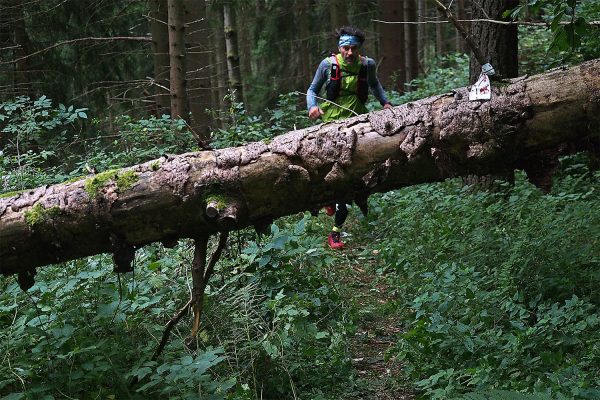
[
  {"x": 11, "y": 194},
  {"x": 75, "y": 179},
  {"x": 93, "y": 185},
  {"x": 39, "y": 214},
  {"x": 267, "y": 141},
  {"x": 123, "y": 181},
  {"x": 154, "y": 166},
  {"x": 126, "y": 180},
  {"x": 220, "y": 200}
]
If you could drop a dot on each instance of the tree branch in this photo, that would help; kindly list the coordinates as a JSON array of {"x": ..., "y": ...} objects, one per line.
[{"x": 80, "y": 40}]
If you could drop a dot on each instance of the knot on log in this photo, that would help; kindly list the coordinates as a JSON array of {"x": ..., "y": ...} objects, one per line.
[
  {"x": 414, "y": 141},
  {"x": 123, "y": 254},
  {"x": 445, "y": 164},
  {"x": 262, "y": 225},
  {"x": 377, "y": 175},
  {"x": 225, "y": 211},
  {"x": 386, "y": 122},
  {"x": 361, "y": 199},
  {"x": 26, "y": 279},
  {"x": 334, "y": 143},
  {"x": 541, "y": 166},
  {"x": 170, "y": 242},
  {"x": 335, "y": 175},
  {"x": 592, "y": 107}
]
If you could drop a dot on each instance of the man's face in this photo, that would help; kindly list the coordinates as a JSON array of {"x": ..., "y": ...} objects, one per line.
[{"x": 349, "y": 53}]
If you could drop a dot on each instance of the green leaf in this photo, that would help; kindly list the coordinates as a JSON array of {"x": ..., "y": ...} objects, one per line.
[
  {"x": 560, "y": 41},
  {"x": 153, "y": 266},
  {"x": 14, "y": 396},
  {"x": 264, "y": 260},
  {"x": 322, "y": 335},
  {"x": 186, "y": 360}
]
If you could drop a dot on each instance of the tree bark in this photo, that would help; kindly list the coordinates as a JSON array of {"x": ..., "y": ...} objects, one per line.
[
  {"x": 219, "y": 70},
  {"x": 160, "y": 49},
  {"x": 410, "y": 38},
  {"x": 392, "y": 69},
  {"x": 22, "y": 78},
  {"x": 198, "y": 68},
  {"x": 245, "y": 51},
  {"x": 177, "y": 58},
  {"x": 461, "y": 45},
  {"x": 440, "y": 42},
  {"x": 422, "y": 32},
  {"x": 338, "y": 14},
  {"x": 499, "y": 43},
  {"x": 302, "y": 13},
  {"x": 231, "y": 48},
  {"x": 197, "y": 194}
]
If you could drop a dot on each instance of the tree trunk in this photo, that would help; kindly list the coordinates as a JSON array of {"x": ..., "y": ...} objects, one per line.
[
  {"x": 219, "y": 70},
  {"x": 197, "y": 194},
  {"x": 160, "y": 49},
  {"x": 21, "y": 40},
  {"x": 260, "y": 10},
  {"x": 499, "y": 43},
  {"x": 461, "y": 45},
  {"x": 198, "y": 68},
  {"x": 422, "y": 32},
  {"x": 410, "y": 38},
  {"x": 302, "y": 13},
  {"x": 338, "y": 14},
  {"x": 392, "y": 69},
  {"x": 231, "y": 48},
  {"x": 440, "y": 43},
  {"x": 245, "y": 50},
  {"x": 177, "y": 58}
]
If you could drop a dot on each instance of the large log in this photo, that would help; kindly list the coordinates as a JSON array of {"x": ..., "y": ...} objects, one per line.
[{"x": 205, "y": 192}]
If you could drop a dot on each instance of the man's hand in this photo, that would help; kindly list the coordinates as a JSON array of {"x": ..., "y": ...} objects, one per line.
[
  {"x": 315, "y": 112},
  {"x": 387, "y": 105}
]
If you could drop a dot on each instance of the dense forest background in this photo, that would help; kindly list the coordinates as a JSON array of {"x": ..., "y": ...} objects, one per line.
[{"x": 444, "y": 291}]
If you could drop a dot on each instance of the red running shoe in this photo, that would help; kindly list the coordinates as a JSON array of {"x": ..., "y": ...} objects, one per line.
[
  {"x": 335, "y": 241},
  {"x": 329, "y": 210}
]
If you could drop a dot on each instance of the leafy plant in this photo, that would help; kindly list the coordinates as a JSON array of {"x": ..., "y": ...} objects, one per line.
[{"x": 499, "y": 285}]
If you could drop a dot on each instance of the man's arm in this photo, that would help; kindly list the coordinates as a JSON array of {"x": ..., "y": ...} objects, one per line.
[
  {"x": 314, "y": 111},
  {"x": 375, "y": 85}
]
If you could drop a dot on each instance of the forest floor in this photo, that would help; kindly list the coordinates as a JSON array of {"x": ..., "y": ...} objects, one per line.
[{"x": 379, "y": 374}]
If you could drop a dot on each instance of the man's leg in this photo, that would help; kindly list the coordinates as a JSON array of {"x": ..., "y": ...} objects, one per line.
[{"x": 334, "y": 238}]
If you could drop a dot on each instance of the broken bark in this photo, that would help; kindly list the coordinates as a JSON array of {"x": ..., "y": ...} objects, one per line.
[{"x": 424, "y": 141}]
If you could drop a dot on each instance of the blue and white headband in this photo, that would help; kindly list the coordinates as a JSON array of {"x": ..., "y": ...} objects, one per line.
[{"x": 349, "y": 40}]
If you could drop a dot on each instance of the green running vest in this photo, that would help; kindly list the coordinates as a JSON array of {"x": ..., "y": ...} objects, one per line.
[{"x": 347, "y": 97}]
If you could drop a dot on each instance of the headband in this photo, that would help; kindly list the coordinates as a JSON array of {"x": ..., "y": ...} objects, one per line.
[{"x": 349, "y": 40}]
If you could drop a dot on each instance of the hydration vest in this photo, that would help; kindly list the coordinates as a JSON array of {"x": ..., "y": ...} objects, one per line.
[{"x": 334, "y": 87}]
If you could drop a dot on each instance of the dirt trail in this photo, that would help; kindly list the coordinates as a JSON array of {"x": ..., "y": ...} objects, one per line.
[{"x": 378, "y": 327}]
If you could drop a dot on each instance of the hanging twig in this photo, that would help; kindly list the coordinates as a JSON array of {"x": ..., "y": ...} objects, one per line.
[
  {"x": 329, "y": 101},
  {"x": 489, "y": 20},
  {"x": 198, "y": 268},
  {"x": 479, "y": 56},
  {"x": 201, "y": 273},
  {"x": 147, "y": 39},
  {"x": 165, "y": 337}
]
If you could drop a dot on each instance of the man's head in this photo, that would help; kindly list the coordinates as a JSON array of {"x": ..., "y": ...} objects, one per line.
[{"x": 350, "y": 40}]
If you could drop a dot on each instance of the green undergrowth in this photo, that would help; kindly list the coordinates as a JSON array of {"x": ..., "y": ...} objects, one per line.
[
  {"x": 497, "y": 290},
  {"x": 276, "y": 324}
]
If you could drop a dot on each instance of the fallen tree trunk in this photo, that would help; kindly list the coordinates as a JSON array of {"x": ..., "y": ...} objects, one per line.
[{"x": 200, "y": 193}]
